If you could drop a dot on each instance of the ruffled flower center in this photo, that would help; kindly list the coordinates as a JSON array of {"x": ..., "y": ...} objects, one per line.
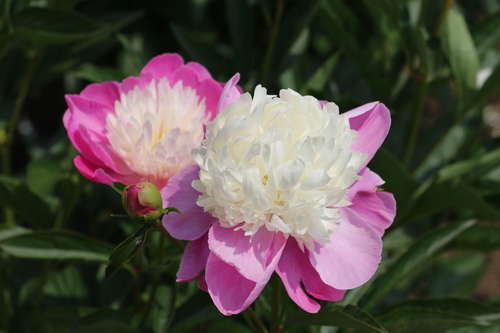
[
  {"x": 283, "y": 163},
  {"x": 154, "y": 129}
]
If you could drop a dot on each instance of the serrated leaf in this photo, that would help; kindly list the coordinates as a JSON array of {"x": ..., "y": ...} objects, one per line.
[
  {"x": 41, "y": 176},
  {"x": 57, "y": 245},
  {"x": 337, "y": 316},
  {"x": 461, "y": 52},
  {"x": 55, "y": 25},
  {"x": 421, "y": 250},
  {"x": 124, "y": 252}
]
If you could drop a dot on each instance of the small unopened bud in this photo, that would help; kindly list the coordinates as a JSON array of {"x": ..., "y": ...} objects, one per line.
[{"x": 143, "y": 202}]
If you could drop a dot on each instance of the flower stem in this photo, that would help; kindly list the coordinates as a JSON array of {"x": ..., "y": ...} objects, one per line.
[
  {"x": 275, "y": 304},
  {"x": 164, "y": 231},
  {"x": 272, "y": 42},
  {"x": 256, "y": 319},
  {"x": 155, "y": 284}
]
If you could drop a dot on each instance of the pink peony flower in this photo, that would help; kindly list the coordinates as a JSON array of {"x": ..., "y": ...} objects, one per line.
[
  {"x": 145, "y": 127},
  {"x": 284, "y": 188}
]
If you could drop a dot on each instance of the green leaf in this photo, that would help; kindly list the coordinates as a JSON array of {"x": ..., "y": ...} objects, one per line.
[
  {"x": 436, "y": 315},
  {"x": 322, "y": 74},
  {"x": 197, "y": 48},
  {"x": 422, "y": 250},
  {"x": 99, "y": 75},
  {"x": 106, "y": 326},
  {"x": 163, "y": 307},
  {"x": 55, "y": 25},
  {"x": 337, "y": 316},
  {"x": 461, "y": 52},
  {"x": 124, "y": 252},
  {"x": 7, "y": 232},
  {"x": 57, "y": 245},
  {"x": 476, "y": 166},
  {"x": 487, "y": 33},
  {"x": 479, "y": 238},
  {"x": 68, "y": 283},
  {"x": 397, "y": 179},
  {"x": 489, "y": 87},
  {"x": 41, "y": 176},
  {"x": 26, "y": 204},
  {"x": 118, "y": 187}
]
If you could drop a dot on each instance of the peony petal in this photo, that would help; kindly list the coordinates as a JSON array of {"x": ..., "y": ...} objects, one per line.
[
  {"x": 353, "y": 255},
  {"x": 202, "y": 283},
  {"x": 162, "y": 66},
  {"x": 210, "y": 90},
  {"x": 105, "y": 93},
  {"x": 102, "y": 174},
  {"x": 202, "y": 72},
  {"x": 372, "y": 121},
  {"x": 185, "y": 74},
  {"x": 249, "y": 255},
  {"x": 231, "y": 292},
  {"x": 230, "y": 93},
  {"x": 369, "y": 182},
  {"x": 294, "y": 267},
  {"x": 377, "y": 208},
  {"x": 87, "y": 113},
  {"x": 194, "y": 259},
  {"x": 180, "y": 194}
]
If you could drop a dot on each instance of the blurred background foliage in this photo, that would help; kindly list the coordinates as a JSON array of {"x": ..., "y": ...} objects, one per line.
[{"x": 435, "y": 64}]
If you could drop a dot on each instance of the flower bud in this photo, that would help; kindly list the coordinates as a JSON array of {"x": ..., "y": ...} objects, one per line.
[{"x": 143, "y": 202}]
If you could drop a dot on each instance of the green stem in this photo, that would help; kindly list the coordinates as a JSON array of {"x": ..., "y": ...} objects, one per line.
[
  {"x": 275, "y": 304},
  {"x": 272, "y": 42},
  {"x": 164, "y": 231},
  {"x": 414, "y": 125},
  {"x": 155, "y": 284},
  {"x": 256, "y": 319}
]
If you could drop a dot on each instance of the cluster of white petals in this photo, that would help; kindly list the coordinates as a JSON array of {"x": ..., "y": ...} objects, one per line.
[
  {"x": 154, "y": 129},
  {"x": 283, "y": 163}
]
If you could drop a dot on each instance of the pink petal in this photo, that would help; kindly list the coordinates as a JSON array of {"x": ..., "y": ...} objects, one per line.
[
  {"x": 131, "y": 82},
  {"x": 353, "y": 255},
  {"x": 202, "y": 72},
  {"x": 202, "y": 283},
  {"x": 210, "y": 90},
  {"x": 163, "y": 65},
  {"x": 105, "y": 93},
  {"x": 102, "y": 174},
  {"x": 372, "y": 121},
  {"x": 185, "y": 74},
  {"x": 377, "y": 208},
  {"x": 88, "y": 113},
  {"x": 249, "y": 255},
  {"x": 293, "y": 268},
  {"x": 230, "y": 93},
  {"x": 231, "y": 292},
  {"x": 180, "y": 194},
  {"x": 369, "y": 182},
  {"x": 194, "y": 259}
]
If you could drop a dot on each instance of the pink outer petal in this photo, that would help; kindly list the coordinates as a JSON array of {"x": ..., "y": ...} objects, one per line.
[
  {"x": 103, "y": 175},
  {"x": 180, "y": 194},
  {"x": 368, "y": 183},
  {"x": 88, "y": 113},
  {"x": 163, "y": 66},
  {"x": 202, "y": 283},
  {"x": 249, "y": 255},
  {"x": 105, "y": 93},
  {"x": 353, "y": 256},
  {"x": 209, "y": 90},
  {"x": 372, "y": 121},
  {"x": 230, "y": 291},
  {"x": 202, "y": 72},
  {"x": 194, "y": 259},
  {"x": 293, "y": 268},
  {"x": 230, "y": 93},
  {"x": 377, "y": 208}
]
